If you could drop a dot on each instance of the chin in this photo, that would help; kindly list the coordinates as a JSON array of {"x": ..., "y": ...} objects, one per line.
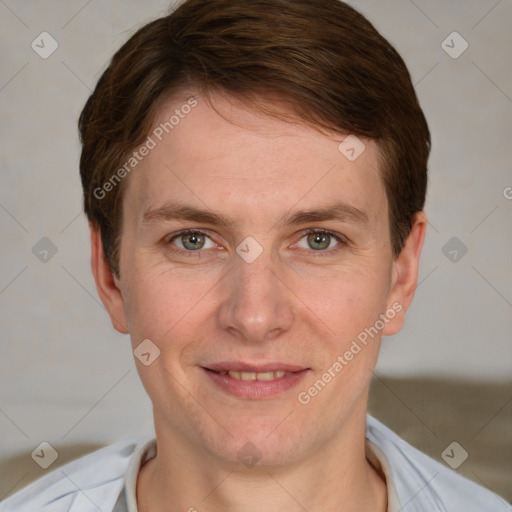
[{"x": 261, "y": 442}]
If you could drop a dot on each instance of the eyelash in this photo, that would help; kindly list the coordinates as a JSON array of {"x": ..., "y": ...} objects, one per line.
[{"x": 342, "y": 241}]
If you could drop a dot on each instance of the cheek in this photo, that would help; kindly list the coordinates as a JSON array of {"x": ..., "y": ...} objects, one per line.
[
  {"x": 346, "y": 301},
  {"x": 163, "y": 307},
  {"x": 167, "y": 313},
  {"x": 153, "y": 310}
]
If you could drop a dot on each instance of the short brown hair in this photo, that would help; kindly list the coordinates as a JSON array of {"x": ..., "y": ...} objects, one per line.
[{"x": 321, "y": 58}]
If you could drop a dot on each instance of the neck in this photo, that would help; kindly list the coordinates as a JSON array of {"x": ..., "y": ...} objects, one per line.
[{"x": 336, "y": 476}]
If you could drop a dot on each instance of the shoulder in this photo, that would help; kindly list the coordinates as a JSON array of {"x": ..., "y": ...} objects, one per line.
[
  {"x": 91, "y": 482},
  {"x": 423, "y": 483}
]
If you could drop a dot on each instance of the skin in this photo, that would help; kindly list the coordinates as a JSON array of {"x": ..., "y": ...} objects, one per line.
[{"x": 293, "y": 304}]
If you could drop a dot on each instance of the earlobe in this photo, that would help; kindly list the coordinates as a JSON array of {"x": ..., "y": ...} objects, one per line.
[
  {"x": 405, "y": 274},
  {"x": 106, "y": 283}
]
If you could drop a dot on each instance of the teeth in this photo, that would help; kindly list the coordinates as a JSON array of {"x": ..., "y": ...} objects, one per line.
[{"x": 255, "y": 376}]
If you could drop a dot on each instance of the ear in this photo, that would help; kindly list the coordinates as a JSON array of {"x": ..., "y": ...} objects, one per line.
[
  {"x": 107, "y": 283},
  {"x": 405, "y": 275}
]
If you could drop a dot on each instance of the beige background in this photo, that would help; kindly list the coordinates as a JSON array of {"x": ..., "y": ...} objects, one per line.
[{"x": 67, "y": 378}]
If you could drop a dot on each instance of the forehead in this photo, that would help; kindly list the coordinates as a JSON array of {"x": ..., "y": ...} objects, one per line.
[{"x": 226, "y": 155}]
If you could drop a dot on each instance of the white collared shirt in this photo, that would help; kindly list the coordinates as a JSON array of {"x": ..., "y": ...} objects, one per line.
[{"x": 106, "y": 480}]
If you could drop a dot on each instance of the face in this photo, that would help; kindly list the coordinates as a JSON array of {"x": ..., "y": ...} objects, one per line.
[{"x": 256, "y": 257}]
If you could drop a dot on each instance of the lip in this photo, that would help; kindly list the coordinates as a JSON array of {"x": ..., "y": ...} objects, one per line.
[
  {"x": 240, "y": 366},
  {"x": 255, "y": 389}
]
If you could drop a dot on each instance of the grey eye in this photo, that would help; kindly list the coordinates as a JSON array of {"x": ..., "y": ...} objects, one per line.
[
  {"x": 193, "y": 241},
  {"x": 319, "y": 241}
]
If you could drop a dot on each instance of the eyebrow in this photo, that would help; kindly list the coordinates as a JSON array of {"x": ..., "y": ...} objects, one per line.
[{"x": 178, "y": 211}]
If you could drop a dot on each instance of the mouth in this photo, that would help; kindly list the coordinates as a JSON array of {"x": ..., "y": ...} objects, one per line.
[
  {"x": 254, "y": 375},
  {"x": 255, "y": 381}
]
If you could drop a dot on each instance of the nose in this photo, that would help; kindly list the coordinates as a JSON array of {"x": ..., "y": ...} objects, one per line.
[{"x": 258, "y": 306}]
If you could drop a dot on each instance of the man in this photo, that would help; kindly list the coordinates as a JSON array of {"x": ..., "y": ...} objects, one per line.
[{"x": 254, "y": 175}]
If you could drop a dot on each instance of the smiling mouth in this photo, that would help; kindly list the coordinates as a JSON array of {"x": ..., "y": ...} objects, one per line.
[
  {"x": 253, "y": 375},
  {"x": 255, "y": 381},
  {"x": 242, "y": 370}
]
